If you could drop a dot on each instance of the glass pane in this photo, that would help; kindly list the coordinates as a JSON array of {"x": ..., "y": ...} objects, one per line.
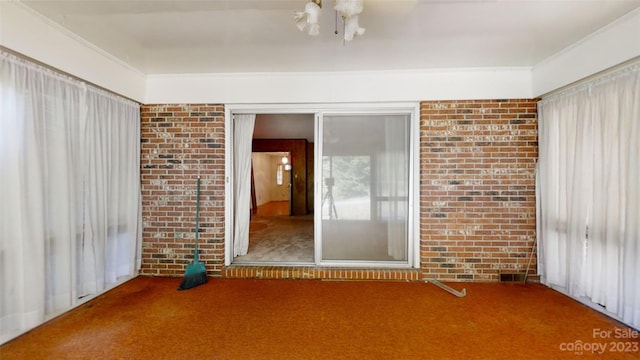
[
  {"x": 350, "y": 195},
  {"x": 365, "y": 174},
  {"x": 279, "y": 174}
]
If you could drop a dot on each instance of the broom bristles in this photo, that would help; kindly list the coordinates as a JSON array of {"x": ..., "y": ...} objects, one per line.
[{"x": 195, "y": 275}]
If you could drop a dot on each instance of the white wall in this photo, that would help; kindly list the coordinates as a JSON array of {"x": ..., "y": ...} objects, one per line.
[
  {"x": 613, "y": 44},
  {"x": 325, "y": 87},
  {"x": 264, "y": 174},
  {"x": 30, "y": 34},
  {"x": 279, "y": 192},
  {"x": 24, "y": 31}
]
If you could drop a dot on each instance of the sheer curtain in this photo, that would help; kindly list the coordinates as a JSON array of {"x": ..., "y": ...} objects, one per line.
[
  {"x": 589, "y": 192},
  {"x": 69, "y": 192},
  {"x": 365, "y": 173},
  {"x": 392, "y": 189},
  {"x": 242, "y": 146}
]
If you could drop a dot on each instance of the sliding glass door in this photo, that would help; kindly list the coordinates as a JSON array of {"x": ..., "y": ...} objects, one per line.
[
  {"x": 361, "y": 182},
  {"x": 364, "y": 182}
]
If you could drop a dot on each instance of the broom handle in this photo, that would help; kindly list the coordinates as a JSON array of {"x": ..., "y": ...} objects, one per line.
[{"x": 195, "y": 256}]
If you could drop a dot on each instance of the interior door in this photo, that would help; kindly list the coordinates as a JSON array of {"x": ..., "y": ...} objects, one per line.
[{"x": 363, "y": 183}]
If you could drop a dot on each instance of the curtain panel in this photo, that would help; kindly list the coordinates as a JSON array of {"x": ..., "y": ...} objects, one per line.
[
  {"x": 588, "y": 192},
  {"x": 69, "y": 192},
  {"x": 243, "y": 125}
]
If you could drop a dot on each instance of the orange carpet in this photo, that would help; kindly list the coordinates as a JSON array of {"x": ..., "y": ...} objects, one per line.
[{"x": 146, "y": 318}]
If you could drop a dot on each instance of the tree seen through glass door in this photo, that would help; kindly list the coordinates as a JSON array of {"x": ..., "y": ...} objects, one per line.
[{"x": 346, "y": 187}]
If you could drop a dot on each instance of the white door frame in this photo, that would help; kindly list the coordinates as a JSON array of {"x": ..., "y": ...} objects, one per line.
[{"x": 410, "y": 108}]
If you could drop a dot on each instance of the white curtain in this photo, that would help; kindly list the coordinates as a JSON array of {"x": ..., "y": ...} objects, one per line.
[
  {"x": 589, "y": 192},
  {"x": 69, "y": 192},
  {"x": 367, "y": 159},
  {"x": 392, "y": 188},
  {"x": 242, "y": 146}
]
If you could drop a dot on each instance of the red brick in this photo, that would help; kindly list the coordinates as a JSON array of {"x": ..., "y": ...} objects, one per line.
[
  {"x": 489, "y": 151},
  {"x": 497, "y": 162}
]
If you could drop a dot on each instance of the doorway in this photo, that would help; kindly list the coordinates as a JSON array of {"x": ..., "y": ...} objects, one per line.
[
  {"x": 271, "y": 184},
  {"x": 360, "y": 166},
  {"x": 281, "y": 225}
]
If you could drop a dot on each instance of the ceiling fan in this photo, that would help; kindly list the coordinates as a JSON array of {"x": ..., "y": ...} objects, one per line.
[{"x": 349, "y": 10}]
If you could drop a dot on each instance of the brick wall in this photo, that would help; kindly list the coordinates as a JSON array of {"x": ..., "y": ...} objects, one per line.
[
  {"x": 180, "y": 143},
  {"x": 477, "y": 205},
  {"x": 477, "y": 185}
]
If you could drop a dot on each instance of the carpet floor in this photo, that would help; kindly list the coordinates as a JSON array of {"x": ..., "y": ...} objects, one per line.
[{"x": 146, "y": 318}]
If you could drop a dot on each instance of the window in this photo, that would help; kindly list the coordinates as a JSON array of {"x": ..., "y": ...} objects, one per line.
[{"x": 279, "y": 174}]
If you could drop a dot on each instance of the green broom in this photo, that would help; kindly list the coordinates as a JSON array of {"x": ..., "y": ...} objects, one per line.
[{"x": 196, "y": 273}]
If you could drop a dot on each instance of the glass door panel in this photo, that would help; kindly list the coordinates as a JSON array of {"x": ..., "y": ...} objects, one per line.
[{"x": 365, "y": 187}]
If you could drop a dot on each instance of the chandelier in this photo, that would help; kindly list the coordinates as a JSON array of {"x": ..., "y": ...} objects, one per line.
[{"x": 349, "y": 10}]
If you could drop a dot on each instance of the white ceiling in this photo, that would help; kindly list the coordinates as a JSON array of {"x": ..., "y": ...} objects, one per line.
[{"x": 220, "y": 36}]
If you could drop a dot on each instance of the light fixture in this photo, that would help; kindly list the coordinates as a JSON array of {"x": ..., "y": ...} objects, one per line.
[
  {"x": 307, "y": 20},
  {"x": 285, "y": 161},
  {"x": 349, "y": 10}
]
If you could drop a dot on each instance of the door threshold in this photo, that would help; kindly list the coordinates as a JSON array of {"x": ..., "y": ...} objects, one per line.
[
  {"x": 273, "y": 263},
  {"x": 311, "y": 271}
]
